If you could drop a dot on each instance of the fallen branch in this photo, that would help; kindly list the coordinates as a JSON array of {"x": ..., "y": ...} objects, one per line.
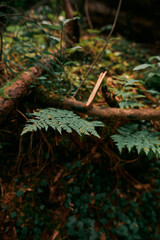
[
  {"x": 16, "y": 91},
  {"x": 20, "y": 88},
  {"x": 114, "y": 113},
  {"x": 93, "y": 110}
]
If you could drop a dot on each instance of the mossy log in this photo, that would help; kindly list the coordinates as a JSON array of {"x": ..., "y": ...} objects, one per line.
[{"x": 16, "y": 91}]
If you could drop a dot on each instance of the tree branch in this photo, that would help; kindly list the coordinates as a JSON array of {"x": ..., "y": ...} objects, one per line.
[
  {"x": 16, "y": 91},
  {"x": 20, "y": 88},
  {"x": 114, "y": 113}
]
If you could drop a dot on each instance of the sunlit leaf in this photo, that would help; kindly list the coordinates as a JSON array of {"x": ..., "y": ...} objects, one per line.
[
  {"x": 154, "y": 57},
  {"x": 69, "y": 20},
  {"x": 55, "y": 38},
  {"x": 142, "y": 66}
]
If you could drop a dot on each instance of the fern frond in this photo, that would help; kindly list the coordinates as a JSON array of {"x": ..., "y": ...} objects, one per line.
[
  {"x": 61, "y": 120},
  {"x": 130, "y": 104},
  {"x": 143, "y": 140},
  {"x": 127, "y": 91}
]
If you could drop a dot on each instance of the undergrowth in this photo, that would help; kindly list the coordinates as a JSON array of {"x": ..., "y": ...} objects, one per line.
[{"x": 83, "y": 194}]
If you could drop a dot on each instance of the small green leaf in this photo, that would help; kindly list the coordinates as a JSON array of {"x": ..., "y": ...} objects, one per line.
[
  {"x": 94, "y": 31},
  {"x": 55, "y": 38},
  {"x": 42, "y": 207},
  {"x": 39, "y": 190},
  {"x": 13, "y": 215},
  {"x": 19, "y": 193},
  {"x": 69, "y": 20},
  {"x": 5, "y": 207},
  {"x": 122, "y": 231},
  {"x": 142, "y": 66},
  {"x": 154, "y": 57},
  {"x": 69, "y": 63},
  {"x": 50, "y": 26}
]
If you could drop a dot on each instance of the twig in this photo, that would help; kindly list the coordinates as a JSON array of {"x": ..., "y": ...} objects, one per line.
[
  {"x": 105, "y": 45},
  {"x": 1, "y": 46},
  {"x": 22, "y": 114},
  {"x": 1, "y": 187},
  {"x": 95, "y": 89},
  {"x": 11, "y": 14},
  {"x": 48, "y": 144},
  {"x": 147, "y": 94},
  {"x": 55, "y": 234},
  {"x": 87, "y": 14},
  {"x": 7, "y": 6}
]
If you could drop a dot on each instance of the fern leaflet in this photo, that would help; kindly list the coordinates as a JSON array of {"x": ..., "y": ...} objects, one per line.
[{"x": 127, "y": 91}]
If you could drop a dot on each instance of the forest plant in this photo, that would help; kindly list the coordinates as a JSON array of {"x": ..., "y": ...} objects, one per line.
[
  {"x": 143, "y": 140},
  {"x": 96, "y": 202},
  {"x": 31, "y": 219},
  {"x": 152, "y": 69},
  {"x": 127, "y": 91},
  {"x": 61, "y": 120},
  {"x": 46, "y": 44}
]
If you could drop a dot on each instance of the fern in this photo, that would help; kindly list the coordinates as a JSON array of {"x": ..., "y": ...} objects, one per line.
[
  {"x": 127, "y": 91},
  {"x": 61, "y": 120},
  {"x": 143, "y": 140},
  {"x": 130, "y": 104}
]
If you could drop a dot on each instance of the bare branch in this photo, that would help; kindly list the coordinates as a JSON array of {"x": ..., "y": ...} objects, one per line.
[
  {"x": 87, "y": 14},
  {"x": 114, "y": 113},
  {"x": 11, "y": 14}
]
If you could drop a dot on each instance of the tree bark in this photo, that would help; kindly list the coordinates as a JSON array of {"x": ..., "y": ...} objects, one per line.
[
  {"x": 114, "y": 113},
  {"x": 72, "y": 27},
  {"x": 93, "y": 110},
  {"x": 16, "y": 91}
]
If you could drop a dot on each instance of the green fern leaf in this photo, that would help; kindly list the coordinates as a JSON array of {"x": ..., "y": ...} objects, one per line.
[
  {"x": 143, "y": 140},
  {"x": 129, "y": 104},
  {"x": 61, "y": 120},
  {"x": 120, "y": 141}
]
